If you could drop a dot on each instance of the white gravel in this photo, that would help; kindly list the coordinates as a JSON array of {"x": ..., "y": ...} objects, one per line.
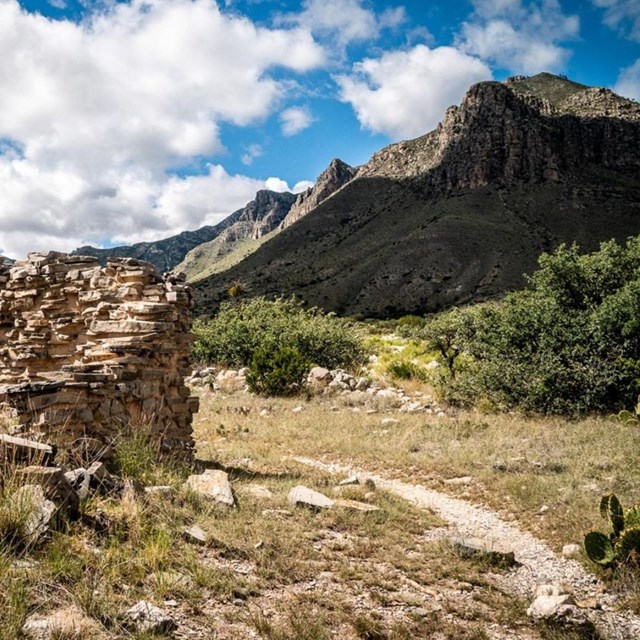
[{"x": 538, "y": 564}]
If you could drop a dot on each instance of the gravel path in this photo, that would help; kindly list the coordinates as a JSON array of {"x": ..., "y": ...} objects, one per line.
[{"x": 538, "y": 564}]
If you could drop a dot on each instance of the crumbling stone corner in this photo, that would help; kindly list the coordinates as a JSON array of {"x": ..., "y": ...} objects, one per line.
[{"x": 86, "y": 351}]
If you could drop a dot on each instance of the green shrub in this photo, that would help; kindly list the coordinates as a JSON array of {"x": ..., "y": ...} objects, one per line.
[
  {"x": 568, "y": 344},
  {"x": 277, "y": 371},
  {"x": 241, "y": 327},
  {"x": 406, "y": 370}
]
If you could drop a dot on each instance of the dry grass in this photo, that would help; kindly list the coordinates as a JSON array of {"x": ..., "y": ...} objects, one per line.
[
  {"x": 547, "y": 473},
  {"x": 276, "y": 572}
]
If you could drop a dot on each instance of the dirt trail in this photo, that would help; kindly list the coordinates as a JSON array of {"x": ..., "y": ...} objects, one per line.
[{"x": 538, "y": 564}]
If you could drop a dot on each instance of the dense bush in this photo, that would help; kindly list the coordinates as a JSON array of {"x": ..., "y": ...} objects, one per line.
[
  {"x": 277, "y": 371},
  {"x": 568, "y": 344},
  {"x": 242, "y": 327}
]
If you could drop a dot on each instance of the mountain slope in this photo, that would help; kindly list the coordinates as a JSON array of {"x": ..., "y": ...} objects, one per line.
[
  {"x": 259, "y": 217},
  {"x": 164, "y": 254},
  {"x": 333, "y": 178},
  {"x": 460, "y": 214}
]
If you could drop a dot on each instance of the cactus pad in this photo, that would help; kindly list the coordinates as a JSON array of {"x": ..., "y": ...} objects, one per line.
[
  {"x": 629, "y": 546},
  {"x": 611, "y": 508},
  {"x": 599, "y": 548}
]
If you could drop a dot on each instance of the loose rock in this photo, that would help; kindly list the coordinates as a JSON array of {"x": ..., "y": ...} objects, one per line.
[
  {"x": 146, "y": 617},
  {"x": 212, "y": 484},
  {"x": 308, "y": 497}
]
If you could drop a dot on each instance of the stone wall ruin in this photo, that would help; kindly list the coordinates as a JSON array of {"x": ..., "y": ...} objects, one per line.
[{"x": 86, "y": 351}]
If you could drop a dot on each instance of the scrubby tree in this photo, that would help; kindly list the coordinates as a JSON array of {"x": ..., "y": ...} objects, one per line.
[{"x": 568, "y": 344}]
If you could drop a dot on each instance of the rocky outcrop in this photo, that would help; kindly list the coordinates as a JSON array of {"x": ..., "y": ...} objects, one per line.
[
  {"x": 333, "y": 178},
  {"x": 85, "y": 351},
  {"x": 163, "y": 254},
  {"x": 460, "y": 214},
  {"x": 258, "y": 218}
]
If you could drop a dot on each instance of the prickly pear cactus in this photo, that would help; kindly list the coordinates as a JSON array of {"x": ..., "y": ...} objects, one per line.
[
  {"x": 610, "y": 508},
  {"x": 622, "y": 545},
  {"x": 599, "y": 548},
  {"x": 632, "y": 518},
  {"x": 628, "y": 546}
]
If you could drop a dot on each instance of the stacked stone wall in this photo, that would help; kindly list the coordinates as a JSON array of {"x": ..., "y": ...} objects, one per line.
[{"x": 87, "y": 351}]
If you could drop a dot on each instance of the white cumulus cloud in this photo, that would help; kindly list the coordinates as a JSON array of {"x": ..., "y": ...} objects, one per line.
[
  {"x": 345, "y": 21},
  {"x": 628, "y": 83},
  {"x": 622, "y": 15},
  {"x": 94, "y": 116},
  {"x": 522, "y": 37},
  {"x": 404, "y": 94},
  {"x": 294, "y": 120}
]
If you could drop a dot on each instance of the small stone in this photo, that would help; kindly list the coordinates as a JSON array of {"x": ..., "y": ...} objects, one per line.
[
  {"x": 80, "y": 481},
  {"x": 297, "y": 409},
  {"x": 212, "y": 484},
  {"x": 148, "y": 618},
  {"x": 308, "y": 497},
  {"x": 30, "y": 500},
  {"x": 260, "y": 492},
  {"x": 56, "y": 487},
  {"x": 264, "y": 413},
  {"x": 69, "y": 622},
  {"x": 195, "y": 534},
  {"x": 548, "y": 590},
  {"x": 571, "y": 550},
  {"x": 543, "y": 509},
  {"x": 387, "y": 422},
  {"x": 559, "y": 609},
  {"x": 20, "y": 450},
  {"x": 349, "y": 480},
  {"x": 101, "y": 478}
]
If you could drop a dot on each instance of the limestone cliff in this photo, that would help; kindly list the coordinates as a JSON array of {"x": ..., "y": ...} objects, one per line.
[
  {"x": 460, "y": 214},
  {"x": 258, "y": 218},
  {"x": 333, "y": 178}
]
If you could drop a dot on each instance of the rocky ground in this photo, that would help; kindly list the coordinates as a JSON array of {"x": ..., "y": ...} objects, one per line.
[{"x": 267, "y": 536}]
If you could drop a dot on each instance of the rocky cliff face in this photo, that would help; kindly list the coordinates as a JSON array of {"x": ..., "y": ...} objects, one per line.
[
  {"x": 163, "y": 254},
  {"x": 461, "y": 213},
  {"x": 258, "y": 218},
  {"x": 333, "y": 178}
]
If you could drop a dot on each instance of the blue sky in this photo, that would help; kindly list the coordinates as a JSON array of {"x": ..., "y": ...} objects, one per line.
[{"x": 129, "y": 121}]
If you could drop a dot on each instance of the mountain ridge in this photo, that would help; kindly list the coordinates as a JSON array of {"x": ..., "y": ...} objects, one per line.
[
  {"x": 260, "y": 215},
  {"x": 460, "y": 214}
]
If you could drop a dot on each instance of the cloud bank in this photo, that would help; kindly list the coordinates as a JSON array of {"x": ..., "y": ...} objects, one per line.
[
  {"x": 404, "y": 94},
  {"x": 95, "y": 115}
]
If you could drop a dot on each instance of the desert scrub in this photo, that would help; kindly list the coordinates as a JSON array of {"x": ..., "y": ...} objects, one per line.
[
  {"x": 280, "y": 371},
  {"x": 241, "y": 327},
  {"x": 569, "y": 344}
]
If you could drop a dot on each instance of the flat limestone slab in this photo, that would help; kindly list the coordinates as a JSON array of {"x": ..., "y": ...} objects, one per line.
[
  {"x": 213, "y": 484},
  {"x": 308, "y": 497}
]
